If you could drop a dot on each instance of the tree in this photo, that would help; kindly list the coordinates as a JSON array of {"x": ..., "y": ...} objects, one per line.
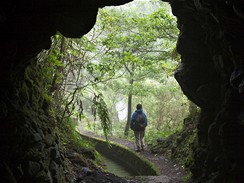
[
  {"x": 138, "y": 46},
  {"x": 124, "y": 45}
]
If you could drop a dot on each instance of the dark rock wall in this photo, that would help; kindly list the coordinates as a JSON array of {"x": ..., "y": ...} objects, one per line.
[
  {"x": 30, "y": 150},
  {"x": 211, "y": 75}
]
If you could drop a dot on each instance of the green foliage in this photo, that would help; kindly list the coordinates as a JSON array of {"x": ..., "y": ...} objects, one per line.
[
  {"x": 70, "y": 137},
  {"x": 152, "y": 135},
  {"x": 72, "y": 140},
  {"x": 127, "y": 52},
  {"x": 181, "y": 146},
  {"x": 139, "y": 52},
  {"x": 144, "y": 41},
  {"x": 103, "y": 114}
]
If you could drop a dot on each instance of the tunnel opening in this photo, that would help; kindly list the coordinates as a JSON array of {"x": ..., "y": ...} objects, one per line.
[
  {"x": 119, "y": 63},
  {"x": 123, "y": 57}
]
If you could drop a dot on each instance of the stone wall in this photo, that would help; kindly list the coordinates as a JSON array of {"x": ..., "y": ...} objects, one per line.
[
  {"x": 132, "y": 162},
  {"x": 30, "y": 148}
]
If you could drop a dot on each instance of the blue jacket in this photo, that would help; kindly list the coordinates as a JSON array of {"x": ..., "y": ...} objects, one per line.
[{"x": 133, "y": 118}]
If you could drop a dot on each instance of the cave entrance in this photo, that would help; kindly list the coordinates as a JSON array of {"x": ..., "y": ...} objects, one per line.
[
  {"x": 129, "y": 57},
  {"x": 96, "y": 81}
]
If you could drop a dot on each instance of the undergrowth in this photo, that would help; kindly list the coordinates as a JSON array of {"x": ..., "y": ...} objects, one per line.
[{"x": 72, "y": 140}]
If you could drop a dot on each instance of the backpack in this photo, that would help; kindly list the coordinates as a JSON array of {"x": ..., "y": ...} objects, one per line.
[{"x": 139, "y": 122}]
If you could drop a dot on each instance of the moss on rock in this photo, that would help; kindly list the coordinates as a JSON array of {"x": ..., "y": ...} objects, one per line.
[{"x": 128, "y": 158}]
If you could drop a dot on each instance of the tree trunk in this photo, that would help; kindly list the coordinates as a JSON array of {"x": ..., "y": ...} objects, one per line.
[{"x": 127, "y": 126}]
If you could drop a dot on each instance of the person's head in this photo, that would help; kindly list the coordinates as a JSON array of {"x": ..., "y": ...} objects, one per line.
[{"x": 138, "y": 106}]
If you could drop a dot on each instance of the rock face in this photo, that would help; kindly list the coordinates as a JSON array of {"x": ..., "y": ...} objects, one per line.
[
  {"x": 211, "y": 75},
  {"x": 30, "y": 150}
]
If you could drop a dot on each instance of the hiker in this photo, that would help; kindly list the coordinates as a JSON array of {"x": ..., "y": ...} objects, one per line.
[{"x": 138, "y": 124}]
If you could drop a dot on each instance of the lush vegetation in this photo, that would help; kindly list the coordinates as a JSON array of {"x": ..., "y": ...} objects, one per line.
[{"x": 127, "y": 58}]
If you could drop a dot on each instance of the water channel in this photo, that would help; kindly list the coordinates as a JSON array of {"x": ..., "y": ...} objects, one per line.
[
  {"x": 121, "y": 161},
  {"x": 116, "y": 168}
]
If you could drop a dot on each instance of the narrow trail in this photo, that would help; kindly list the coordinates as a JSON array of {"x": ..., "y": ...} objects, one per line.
[{"x": 170, "y": 172}]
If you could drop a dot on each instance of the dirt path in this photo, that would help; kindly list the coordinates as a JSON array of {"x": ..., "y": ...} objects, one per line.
[{"x": 170, "y": 172}]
